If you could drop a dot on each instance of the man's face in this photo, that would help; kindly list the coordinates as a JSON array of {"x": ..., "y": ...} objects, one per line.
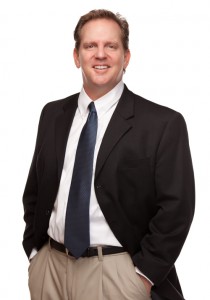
[{"x": 101, "y": 56}]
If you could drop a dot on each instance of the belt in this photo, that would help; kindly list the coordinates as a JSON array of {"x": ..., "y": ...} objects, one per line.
[{"x": 89, "y": 252}]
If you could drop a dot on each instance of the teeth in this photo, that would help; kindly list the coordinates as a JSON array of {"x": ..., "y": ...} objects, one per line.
[{"x": 101, "y": 67}]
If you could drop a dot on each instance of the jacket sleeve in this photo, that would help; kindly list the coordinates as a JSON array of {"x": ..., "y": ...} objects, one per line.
[
  {"x": 31, "y": 193},
  {"x": 175, "y": 195}
]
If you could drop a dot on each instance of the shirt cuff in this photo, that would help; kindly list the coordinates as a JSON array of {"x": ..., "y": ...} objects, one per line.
[
  {"x": 33, "y": 253},
  {"x": 140, "y": 273}
]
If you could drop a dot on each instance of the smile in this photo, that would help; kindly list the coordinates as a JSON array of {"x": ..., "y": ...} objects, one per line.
[{"x": 101, "y": 67}]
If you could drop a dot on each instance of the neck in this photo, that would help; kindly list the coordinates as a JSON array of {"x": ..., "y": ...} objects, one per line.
[{"x": 95, "y": 94}]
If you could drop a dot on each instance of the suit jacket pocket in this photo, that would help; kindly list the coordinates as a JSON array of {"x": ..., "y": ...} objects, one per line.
[
  {"x": 136, "y": 174},
  {"x": 134, "y": 163}
]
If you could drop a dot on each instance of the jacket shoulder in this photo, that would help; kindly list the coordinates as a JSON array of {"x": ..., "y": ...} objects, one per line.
[
  {"x": 153, "y": 110},
  {"x": 61, "y": 103}
]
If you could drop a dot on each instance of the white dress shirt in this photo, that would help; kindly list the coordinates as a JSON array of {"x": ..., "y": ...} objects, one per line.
[{"x": 100, "y": 232}]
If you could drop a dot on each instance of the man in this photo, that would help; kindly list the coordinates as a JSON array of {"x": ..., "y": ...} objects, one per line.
[{"x": 110, "y": 194}]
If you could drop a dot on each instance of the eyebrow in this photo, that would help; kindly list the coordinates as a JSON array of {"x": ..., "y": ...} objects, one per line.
[{"x": 106, "y": 42}]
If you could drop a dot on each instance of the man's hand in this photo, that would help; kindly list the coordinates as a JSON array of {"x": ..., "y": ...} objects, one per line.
[{"x": 146, "y": 283}]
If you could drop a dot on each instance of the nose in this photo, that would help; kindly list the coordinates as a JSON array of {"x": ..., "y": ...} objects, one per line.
[{"x": 100, "y": 52}]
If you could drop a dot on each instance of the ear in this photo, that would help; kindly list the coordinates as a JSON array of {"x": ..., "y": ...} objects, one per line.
[
  {"x": 127, "y": 57},
  {"x": 76, "y": 58}
]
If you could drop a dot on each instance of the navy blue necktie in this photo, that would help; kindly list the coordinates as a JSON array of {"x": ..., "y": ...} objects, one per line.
[{"x": 77, "y": 237}]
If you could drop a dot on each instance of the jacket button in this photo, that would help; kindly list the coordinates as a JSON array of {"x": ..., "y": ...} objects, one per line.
[
  {"x": 47, "y": 212},
  {"x": 98, "y": 186}
]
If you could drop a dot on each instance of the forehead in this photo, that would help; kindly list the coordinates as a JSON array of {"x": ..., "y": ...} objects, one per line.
[{"x": 101, "y": 29}]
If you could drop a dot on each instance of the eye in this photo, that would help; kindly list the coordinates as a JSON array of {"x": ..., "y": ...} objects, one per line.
[
  {"x": 112, "y": 46},
  {"x": 89, "y": 46}
]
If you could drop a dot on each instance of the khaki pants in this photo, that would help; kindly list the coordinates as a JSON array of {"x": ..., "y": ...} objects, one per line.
[{"x": 55, "y": 276}]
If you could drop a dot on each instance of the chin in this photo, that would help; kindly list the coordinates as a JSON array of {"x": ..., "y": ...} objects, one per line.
[{"x": 103, "y": 82}]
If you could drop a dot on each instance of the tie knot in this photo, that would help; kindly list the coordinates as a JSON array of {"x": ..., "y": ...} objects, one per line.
[{"x": 91, "y": 107}]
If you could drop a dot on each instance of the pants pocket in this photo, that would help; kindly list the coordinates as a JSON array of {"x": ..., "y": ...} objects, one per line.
[
  {"x": 121, "y": 280},
  {"x": 134, "y": 280},
  {"x": 36, "y": 272}
]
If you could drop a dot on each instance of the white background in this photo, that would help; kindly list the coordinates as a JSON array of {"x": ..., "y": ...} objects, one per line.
[{"x": 170, "y": 65}]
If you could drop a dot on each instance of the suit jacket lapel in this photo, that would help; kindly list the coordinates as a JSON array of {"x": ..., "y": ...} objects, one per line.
[
  {"x": 118, "y": 126},
  {"x": 62, "y": 128}
]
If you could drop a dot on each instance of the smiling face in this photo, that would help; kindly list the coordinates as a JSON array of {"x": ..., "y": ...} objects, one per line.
[{"x": 101, "y": 56}]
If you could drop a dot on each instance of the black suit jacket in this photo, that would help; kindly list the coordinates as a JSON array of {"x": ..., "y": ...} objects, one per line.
[{"x": 144, "y": 183}]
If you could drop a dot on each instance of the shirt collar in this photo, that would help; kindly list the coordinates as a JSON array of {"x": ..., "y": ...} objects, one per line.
[{"x": 102, "y": 104}]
